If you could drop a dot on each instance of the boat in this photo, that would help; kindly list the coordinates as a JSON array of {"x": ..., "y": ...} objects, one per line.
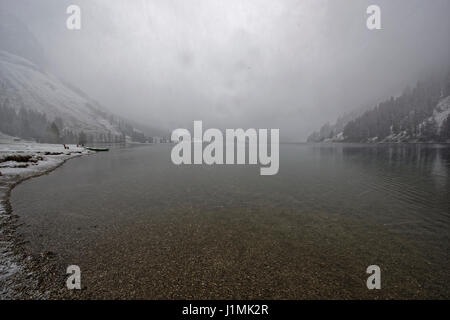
[{"x": 97, "y": 149}]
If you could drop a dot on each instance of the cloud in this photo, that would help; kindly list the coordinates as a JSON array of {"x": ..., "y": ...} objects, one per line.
[{"x": 257, "y": 63}]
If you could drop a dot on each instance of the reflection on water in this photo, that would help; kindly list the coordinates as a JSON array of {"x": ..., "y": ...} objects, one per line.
[{"x": 331, "y": 211}]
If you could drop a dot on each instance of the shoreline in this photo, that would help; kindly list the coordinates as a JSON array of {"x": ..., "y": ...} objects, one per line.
[{"x": 18, "y": 276}]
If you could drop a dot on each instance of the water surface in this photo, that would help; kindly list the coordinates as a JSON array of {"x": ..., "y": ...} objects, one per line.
[{"x": 140, "y": 227}]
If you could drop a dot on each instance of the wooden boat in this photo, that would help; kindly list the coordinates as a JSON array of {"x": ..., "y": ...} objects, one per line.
[{"x": 97, "y": 149}]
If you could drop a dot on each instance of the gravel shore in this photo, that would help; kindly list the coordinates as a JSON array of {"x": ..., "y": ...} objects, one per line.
[{"x": 20, "y": 273}]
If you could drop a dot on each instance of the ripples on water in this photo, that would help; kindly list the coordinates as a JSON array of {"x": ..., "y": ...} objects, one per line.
[{"x": 411, "y": 182}]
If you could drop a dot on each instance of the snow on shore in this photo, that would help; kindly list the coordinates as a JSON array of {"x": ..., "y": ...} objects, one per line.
[{"x": 20, "y": 160}]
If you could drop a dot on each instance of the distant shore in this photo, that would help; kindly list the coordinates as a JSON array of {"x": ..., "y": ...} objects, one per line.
[{"x": 380, "y": 142}]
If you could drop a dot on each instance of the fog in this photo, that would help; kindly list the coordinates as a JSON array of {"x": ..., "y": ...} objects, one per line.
[{"x": 291, "y": 65}]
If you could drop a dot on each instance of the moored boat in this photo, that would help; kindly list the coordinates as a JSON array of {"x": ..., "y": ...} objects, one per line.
[{"x": 97, "y": 149}]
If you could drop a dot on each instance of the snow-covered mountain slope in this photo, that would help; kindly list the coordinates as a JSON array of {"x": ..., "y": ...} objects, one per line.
[
  {"x": 442, "y": 111},
  {"x": 419, "y": 114},
  {"x": 24, "y": 84}
]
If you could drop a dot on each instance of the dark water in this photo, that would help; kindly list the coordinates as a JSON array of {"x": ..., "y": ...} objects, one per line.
[{"x": 140, "y": 227}]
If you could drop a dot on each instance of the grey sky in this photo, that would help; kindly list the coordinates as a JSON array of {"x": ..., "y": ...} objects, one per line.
[{"x": 250, "y": 63}]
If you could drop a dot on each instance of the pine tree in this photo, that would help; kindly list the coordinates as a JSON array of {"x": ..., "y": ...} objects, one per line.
[
  {"x": 82, "y": 138},
  {"x": 53, "y": 133},
  {"x": 445, "y": 130}
]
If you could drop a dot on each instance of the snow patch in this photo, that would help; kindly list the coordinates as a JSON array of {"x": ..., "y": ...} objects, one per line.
[{"x": 442, "y": 111}]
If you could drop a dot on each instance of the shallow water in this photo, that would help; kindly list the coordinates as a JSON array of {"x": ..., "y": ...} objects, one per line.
[{"x": 140, "y": 227}]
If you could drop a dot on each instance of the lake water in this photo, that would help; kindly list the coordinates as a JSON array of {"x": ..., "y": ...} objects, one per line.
[{"x": 140, "y": 227}]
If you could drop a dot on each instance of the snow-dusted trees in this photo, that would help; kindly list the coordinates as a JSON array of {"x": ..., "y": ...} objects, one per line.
[
  {"x": 82, "y": 138},
  {"x": 410, "y": 113},
  {"x": 429, "y": 130},
  {"x": 53, "y": 133},
  {"x": 445, "y": 130},
  {"x": 26, "y": 124},
  {"x": 34, "y": 125}
]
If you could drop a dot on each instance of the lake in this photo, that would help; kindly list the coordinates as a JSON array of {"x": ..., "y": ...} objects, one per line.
[{"x": 140, "y": 227}]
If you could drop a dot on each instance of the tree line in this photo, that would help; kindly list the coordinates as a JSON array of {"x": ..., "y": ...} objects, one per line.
[
  {"x": 409, "y": 116},
  {"x": 34, "y": 125}
]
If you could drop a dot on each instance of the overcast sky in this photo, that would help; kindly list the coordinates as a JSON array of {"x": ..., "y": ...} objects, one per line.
[{"x": 291, "y": 64}]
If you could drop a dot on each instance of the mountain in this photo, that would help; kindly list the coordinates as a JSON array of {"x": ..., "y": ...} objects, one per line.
[
  {"x": 37, "y": 104},
  {"x": 23, "y": 84},
  {"x": 421, "y": 114}
]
